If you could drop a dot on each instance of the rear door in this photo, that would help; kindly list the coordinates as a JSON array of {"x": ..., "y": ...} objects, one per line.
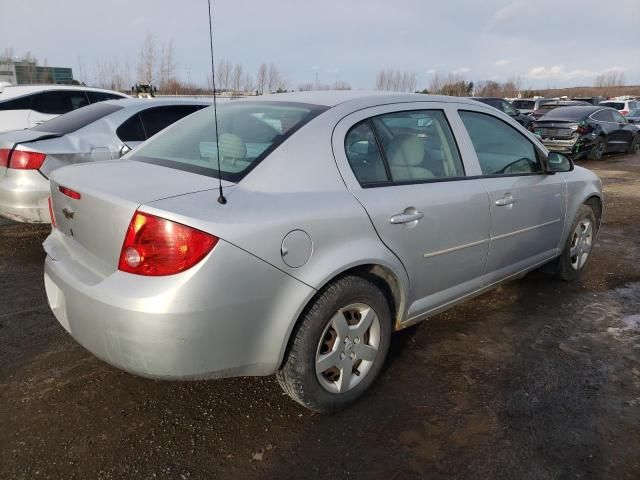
[
  {"x": 527, "y": 205},
  {"x": 402, "y": 163},
  {"x": 623, "y": 134}
]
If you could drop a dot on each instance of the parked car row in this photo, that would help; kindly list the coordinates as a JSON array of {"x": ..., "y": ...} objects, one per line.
[
  {"x": 101, "y": 131},
  {"x": 582, "y": 128}
]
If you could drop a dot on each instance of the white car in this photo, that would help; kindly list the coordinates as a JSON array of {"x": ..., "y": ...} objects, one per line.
[
  {"x": 623, "y": 106},
  {"x": 25, "y": 106}
]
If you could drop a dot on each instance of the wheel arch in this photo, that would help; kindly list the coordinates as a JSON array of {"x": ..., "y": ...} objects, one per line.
[{"x": 392, "y": 282}]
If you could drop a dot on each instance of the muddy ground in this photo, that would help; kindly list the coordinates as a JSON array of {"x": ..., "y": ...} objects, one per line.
[{"x": 536, "y": 380}]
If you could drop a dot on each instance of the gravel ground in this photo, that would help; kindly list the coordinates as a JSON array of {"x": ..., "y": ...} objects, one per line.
[{"x": 536, "y": 380}]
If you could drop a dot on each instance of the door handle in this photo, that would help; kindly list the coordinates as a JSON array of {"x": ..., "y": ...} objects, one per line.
[
  {"x": 406, "y": 217},
  {"x": 506, "y": 200}
]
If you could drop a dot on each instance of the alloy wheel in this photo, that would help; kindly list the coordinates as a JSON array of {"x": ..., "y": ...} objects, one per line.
[
  {"x": 581, "y": 244},
  {"x": 348, "y": 348}
]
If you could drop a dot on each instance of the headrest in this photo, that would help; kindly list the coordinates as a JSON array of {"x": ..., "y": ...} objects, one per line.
[
  {"x": 232, "y": 147},
  {"x": 406, "y": 151}
]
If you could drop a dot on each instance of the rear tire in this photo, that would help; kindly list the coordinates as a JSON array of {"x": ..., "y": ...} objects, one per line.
[
  {"x": 598, "y": 149},
  {"x": 339, "y": 345},
  {"x": 579, "y": 245}
]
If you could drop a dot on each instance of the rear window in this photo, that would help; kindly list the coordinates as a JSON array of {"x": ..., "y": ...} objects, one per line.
[
  {"x": 20, "y": 103},
  {"x": 616, "y": 105},
  {"x": 247, "y": 131},
  {"x": 568, "y": 113},
  {"x": 524, "y": 104},
  {"x": 75, "y": 120}
]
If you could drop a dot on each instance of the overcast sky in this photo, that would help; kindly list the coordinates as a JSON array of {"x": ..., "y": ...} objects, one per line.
[{"x": 545, "y": 42}]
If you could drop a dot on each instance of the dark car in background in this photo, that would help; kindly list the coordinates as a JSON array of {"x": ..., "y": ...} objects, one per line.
[
  {"x": 592, "y": 100},
  {"x": 529, "y": 105},
  {"x": 504, "y": 106},
  {"x": 587, "y": 131},
  {"x": 553, "y": 104}
]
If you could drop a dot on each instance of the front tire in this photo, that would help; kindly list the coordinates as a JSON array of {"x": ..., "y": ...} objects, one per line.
[
  {"x": 339, "y": 345},
  {"x": 577, "y": 250}
]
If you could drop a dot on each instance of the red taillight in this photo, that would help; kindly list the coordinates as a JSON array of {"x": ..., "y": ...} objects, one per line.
[
  {"x": 154, "y": 246},
  {"x": 69, "y": 193},
  {"x": 624, "y": 112},
  {"x": 51, "y": 215},
  {"x": 4, "y": 157},
  {"x": 583, "y": 129},
  {"x": 24, "y": 160}
]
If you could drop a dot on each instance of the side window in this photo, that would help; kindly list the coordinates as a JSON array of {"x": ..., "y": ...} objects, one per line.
[
  {"x": 501, "y": 149},
  {"x": 601, "y": 116},
  {"x": 364, "y": 156},
  {"x": 59, "y": 101},
  {"x": 95, "y": 97},
  {"x": 22, "y": 103},
  {"x": 131, "y": 130},
  {"x": 159, "y": 118},
  {"x": 508, "y": 108},
  {"x": 618, "y": 118},
  {"x": 418, "y": 145}
]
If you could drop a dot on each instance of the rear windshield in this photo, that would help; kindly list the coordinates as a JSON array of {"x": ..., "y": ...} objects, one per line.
[
  {"x": 524, "y": 104},
  {"x": 248, "y": 132},
  {"x": 634, "y": 113},
  {"x": 76, "y": 119},
  {"x": 568, "y": 113},
  {"x": 616, "y": 105}
]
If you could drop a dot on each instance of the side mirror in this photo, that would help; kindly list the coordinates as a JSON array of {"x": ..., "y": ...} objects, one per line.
[
  {"x": 557, "y": 162},
  {"x": 124, "y": 149},
  {"x": 517, "y": 112}
]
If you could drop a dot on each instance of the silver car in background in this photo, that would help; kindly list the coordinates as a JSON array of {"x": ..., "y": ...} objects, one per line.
[
  {"x": 339, "y": 218},
  {"x": 102, "y": 131}
]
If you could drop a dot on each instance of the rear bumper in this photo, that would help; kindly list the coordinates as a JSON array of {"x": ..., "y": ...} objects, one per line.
[
  {"x": 230, "y": 315},
  {"x": 574, "y": 147},
  {"x": 23, "y": 196}
]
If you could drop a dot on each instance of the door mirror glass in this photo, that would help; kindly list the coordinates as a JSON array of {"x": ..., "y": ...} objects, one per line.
[{"x": 559, "y": 162}]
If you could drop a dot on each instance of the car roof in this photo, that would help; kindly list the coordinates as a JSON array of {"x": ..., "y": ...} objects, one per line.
[
  {"x": 363, "y": 98},
  {"x": 11, "y": 91}
]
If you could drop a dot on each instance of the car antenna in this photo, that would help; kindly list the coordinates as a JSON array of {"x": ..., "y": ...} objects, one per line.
[{"x": 221, "y": 199}]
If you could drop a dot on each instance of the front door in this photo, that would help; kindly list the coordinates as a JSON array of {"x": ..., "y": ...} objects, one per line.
[{"x": 527, "y": 204}]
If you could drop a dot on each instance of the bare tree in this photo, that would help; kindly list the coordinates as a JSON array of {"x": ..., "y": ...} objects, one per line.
[
  {"x": 306, "y": 87},
  {"x": 247, "y": 82},
  {"x": 236, "y": 77},
  {"x": 396, "y": 81},
  {"x": 261, "y": 78},
  {"x": 340, "y": 85},
  {"x": 147, "y": 59},
  {"x": 223, "y": 74},
  {"x": 273, "y": 78},
  {"x": 167, "y": 69}
]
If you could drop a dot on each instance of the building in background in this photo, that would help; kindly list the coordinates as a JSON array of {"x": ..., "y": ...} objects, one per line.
[{"x": 21, "y": 72}]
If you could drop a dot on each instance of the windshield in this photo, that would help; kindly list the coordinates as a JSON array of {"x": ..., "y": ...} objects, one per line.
[
  {"x": 76, "y": 119},
  {"x": 247, "y": 132}
]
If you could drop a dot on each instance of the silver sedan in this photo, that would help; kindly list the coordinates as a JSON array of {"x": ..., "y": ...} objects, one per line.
[
  {"x": 101, "y": 131},
  {"x": 328, "y": 221}
]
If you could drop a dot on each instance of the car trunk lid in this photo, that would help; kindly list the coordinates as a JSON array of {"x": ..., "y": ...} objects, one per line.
[
  {"x": 91, "y": 228},
  {"x": 555, "y": 129}
]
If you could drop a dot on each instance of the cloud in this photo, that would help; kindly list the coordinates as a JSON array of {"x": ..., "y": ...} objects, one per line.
[
  {"x": 501, "y": 63},
  {"x": 431, "y": 71},
  {"x": 559, "y": 72},
  {"x": 462, "y": 70},
  {"x": 505, "y": 15}
]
